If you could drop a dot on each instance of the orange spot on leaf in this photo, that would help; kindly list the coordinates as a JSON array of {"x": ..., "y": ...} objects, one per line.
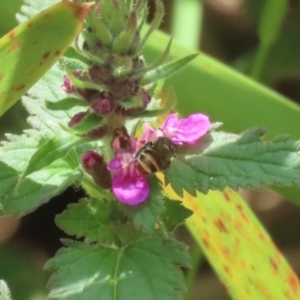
[
  {"x": 227, "y": 270},
  {"x": 57, "y": 52},
  {"x": 14, "y": 47},
  {"x": 194, "y": 207},
  {"x": 205, "y": 242},
  {"x": 262, "y": 236},
  {"x": 240, "y": 208},
  {"x": 227, "y": 197},
  {"x": 11, "y": 34},
  {"x": 20, "y": 87},
  {"x": 46, "y": 55},
  {"x": 81, "y": 10},
  {"x": 225, "y": 251},
  {"x": 47, "y": 15},
  {"x": 29, "y": 24},
  {"x": 220, "y": 225},
  {"x": 293, "y": 281},
  {"x": 274, "y": 265},
  {"x": 7, "y": 100}
]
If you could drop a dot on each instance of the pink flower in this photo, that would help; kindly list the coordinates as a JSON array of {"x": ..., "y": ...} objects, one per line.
[
  {"x": 186, "y": 130},
  {"x": 129, "y": 184}
]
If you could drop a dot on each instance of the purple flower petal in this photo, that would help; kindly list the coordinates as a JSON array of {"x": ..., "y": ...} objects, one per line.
[
  {"x": 131, "y": 190},
  {"x": 150, "y": 134},
  {"x": 115, "y": 164},
  {"x": 186, "y": 130}
]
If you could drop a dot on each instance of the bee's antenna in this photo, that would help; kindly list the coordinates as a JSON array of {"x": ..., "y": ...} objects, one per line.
[{"x": 162, "y": 132}]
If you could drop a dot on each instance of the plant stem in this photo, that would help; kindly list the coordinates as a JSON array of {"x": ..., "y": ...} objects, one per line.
[
  {"x": 187, "y": 21},
  {"x": 197, "y": 257},
  {"x": 259, "y": 61},
  {"x": 270, "y": 24}
]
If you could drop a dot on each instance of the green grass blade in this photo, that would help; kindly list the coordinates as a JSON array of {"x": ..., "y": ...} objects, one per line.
[
  {"x": 186, "y": 22},
  {"x": 269, "y": 27}
]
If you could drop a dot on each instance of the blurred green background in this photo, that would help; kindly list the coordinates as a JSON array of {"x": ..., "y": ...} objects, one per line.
[{"x": 259, "y": 38}]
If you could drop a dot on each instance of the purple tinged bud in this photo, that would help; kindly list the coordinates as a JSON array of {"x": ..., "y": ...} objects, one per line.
[
  {"x": 101, "y": 74},
  {"x": 77, "y": 119},
  {"x": 102, "y": 106},
  {"x": 68, "y": 86},
  {"x": 146, "y": 98},
  {"x": 90, "y": 159},
  {"x": 94, "y": 165},
  {"x": 124, "y": 89}
]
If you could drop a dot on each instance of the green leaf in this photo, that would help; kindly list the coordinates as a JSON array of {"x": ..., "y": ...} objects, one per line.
[
  {"x": 21, "y": 197},
  {"x": 4, "y": 291},
  {"x": 90, "y": 121},
  {"x": 91, "y": 219},
  {"x": 32, "y": 7},
  {"x": 175, "y": 214},
  {"x": 166, "y": 70},
  {"x": 238, "y": 161},
  {"x": 206, "y": 85},
  {"x": 32, "y": 168},
  {"x": 270, "y": 22},
  {"x": 48, "y": 151},
  {"x": 27, "y": 52},
  {"x": 146, "y": 214},
  {"x": 66, "y": 104},
  {"x": 147, "y": 269}
]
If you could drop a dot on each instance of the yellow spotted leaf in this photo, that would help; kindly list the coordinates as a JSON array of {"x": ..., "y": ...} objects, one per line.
[{"x": 239, "y": 249}]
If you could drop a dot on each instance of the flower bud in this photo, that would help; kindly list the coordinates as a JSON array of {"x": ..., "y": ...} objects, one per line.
[
  {"x": 94, "y": 165},
  {"x": 124, "y": 89},
  {"x": 76, "y": 119},
  {"x": 68, "y": 86},
  {"x": 101, "y": 74},
  {"x": 139, "y": 104},
  {"x": 102, "y": 106}
]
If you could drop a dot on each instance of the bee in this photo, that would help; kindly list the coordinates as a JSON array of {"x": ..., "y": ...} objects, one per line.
[{"x": 155, "y": 156}]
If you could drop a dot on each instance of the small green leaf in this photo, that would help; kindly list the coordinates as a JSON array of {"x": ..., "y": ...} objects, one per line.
[
  {"x": 21, "y": 197},
  {"x": 28, "y": 51},
  {"x": 66, "y": 104},
  {"x": 162, "y": 59},
  {"x": 90, "y": 218},
  {"x": 147, "y": 269},
  {"x": 124, "y": 41},
  {"x": 237, "y": 161},
  {"x": 166, "y": 70},
  {"x": 27, "y": 154},
  {"x": 271, "y": 20},
  {"x": 146, "y": 214},
  {"x": 89, "y": 122},
  {"x": 159, "y": 13},
  {"x": 175, "y": 214},
  {"x": 48, "y": 151},
  {"x": 168, "y": 106}
]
